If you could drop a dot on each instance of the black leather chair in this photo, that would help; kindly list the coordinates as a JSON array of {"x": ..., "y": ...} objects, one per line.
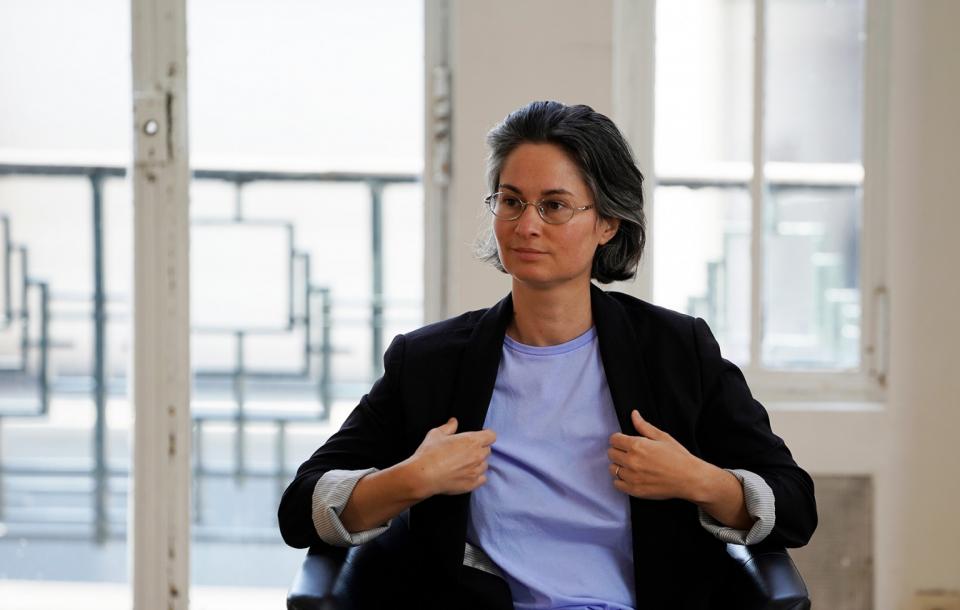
[{"x": 340, "y": 579}]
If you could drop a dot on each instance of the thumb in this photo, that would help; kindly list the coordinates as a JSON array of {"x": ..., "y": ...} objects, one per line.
[
  {"x": 644, "y": 427},
  {"x": 450, "y": 427}
]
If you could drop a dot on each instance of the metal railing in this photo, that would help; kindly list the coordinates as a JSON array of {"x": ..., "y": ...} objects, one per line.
[{"x": 316, "y": 319}]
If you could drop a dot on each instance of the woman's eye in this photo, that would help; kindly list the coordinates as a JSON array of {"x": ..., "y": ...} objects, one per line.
[
  {"x": 554, "y": 206},
  {"x": 511, "y": 202}
]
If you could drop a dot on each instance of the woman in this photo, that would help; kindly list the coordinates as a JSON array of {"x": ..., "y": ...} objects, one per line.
[{"x": 567, "y": 447}]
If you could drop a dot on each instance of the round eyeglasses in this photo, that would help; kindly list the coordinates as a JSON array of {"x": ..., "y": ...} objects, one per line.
[{"x": 507, "y": 206}]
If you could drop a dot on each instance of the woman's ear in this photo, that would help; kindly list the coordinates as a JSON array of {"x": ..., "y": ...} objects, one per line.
[{"x": 609, "y": 229}]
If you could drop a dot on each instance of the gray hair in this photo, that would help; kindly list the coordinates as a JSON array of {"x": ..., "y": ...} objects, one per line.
[{"x": 606, "y": 163}]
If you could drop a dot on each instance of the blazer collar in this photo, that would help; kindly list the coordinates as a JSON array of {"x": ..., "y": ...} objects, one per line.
[{"x": 623, "y": 363}]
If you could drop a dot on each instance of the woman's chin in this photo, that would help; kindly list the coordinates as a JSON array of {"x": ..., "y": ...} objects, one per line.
[{"x": 533, "y": 279}]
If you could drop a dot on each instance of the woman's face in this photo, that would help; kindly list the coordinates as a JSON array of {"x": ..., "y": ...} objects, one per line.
[{"x": 532, "y": 251}]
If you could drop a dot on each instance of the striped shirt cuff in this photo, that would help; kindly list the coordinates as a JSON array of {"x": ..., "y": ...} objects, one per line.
[
  {"x": 759, "y": 500},
  {"x": 474, "y": 557},
  {"x": 330, "y": 495}
]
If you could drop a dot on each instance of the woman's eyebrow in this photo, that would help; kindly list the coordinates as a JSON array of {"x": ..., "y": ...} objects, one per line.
[{"x": 543, "y": 192}]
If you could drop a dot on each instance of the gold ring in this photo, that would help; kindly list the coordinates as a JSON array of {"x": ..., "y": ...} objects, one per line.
[{"x": 618, "y": 472}]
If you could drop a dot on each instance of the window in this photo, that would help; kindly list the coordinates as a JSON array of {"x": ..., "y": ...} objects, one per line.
[
  {"x": 764, "y": 219},
  {"x": 64, "y": 326},
  {"x": 305, "y": 256},
  {"x": 306, "y": 140}
]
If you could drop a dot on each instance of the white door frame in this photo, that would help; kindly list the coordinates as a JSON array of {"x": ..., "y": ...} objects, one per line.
[{"x": 160, "y": 509}]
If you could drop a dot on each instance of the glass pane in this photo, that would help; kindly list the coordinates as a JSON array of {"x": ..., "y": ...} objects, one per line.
[
  {"x": 814, "y": 80},
  {"x": 65, "y": 252},
  {"x": 704, "y": 72},
  {"x": 306, "y": 252},
  {"x": 403, "y": 266},
  {"x": 811, "y": 297},
  {"x": 702, "y": 260}
]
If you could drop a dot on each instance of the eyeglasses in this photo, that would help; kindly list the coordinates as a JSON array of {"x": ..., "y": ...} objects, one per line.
[{"x": 507, "y": 206}]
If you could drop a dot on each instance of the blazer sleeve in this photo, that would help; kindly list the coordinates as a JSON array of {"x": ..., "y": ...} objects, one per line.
[
  {"x": 734, "y": 432},
  {"x": 369, "y": 438}
]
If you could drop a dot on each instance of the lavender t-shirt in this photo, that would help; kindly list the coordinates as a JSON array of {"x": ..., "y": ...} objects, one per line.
[{"x": 549, "y": 515}]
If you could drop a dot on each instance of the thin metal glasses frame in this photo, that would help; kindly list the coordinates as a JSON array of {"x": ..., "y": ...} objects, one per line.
[{"x": 490, "y": 201}]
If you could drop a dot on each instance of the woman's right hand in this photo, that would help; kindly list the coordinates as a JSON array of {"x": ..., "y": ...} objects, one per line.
[{"x": 450, "y": 463}]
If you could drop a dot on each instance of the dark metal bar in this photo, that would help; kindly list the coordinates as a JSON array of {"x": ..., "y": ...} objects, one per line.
[
  {"x": 278, "y": 176},
  {"x": 305, "y": 256},
  {"x": 721, "y": 183},
  {"x": 376, "y": 314},
  {"x": 43, "y": 379},
  {"x": 24, "y": 309},
  {"x": 7, "y": 256},
  {"x": 99, "y": 366},
  {"x": 3, "y": 498},
  {"x": 41, "y": 169},
  {"x": 238, "y": 201},
  {"x": 281, "y": 457},
  {"x": 326, "y": 353},
  {"x": 198, "y": 471},
  {"x": 27, "y": 169},
  {"x": 291, "y": 258},
  {"x": 239, "y": 395}
]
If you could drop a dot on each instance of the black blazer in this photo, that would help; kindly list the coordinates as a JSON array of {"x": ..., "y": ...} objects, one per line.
[{"x": 663, "y": 363}]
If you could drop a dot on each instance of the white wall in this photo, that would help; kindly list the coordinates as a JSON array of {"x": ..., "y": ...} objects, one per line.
[
  {"x": 504, "y": 54},
  {"x": 924, "y": 253}
]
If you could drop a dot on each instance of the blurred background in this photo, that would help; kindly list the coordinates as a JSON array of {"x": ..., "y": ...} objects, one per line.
[{"x": 798, "y": 156}]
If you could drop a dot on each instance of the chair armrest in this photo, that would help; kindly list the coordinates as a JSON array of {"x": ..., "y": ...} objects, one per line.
[
  {"x": 777, "y": 585},
  {"x": 769, "y": 580},
  {"x": 312, "y": 587},
  {"x": 364, "y": 576}
]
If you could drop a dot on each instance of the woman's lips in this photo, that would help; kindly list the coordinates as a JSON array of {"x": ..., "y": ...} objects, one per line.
[{"x": 528, "y": 254}]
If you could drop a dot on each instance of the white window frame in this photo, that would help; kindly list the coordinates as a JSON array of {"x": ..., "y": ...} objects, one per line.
[{"x": 634, "y": 70}]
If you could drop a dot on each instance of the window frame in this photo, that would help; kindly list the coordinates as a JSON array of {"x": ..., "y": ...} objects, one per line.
[{"x": 634, "y": 70}]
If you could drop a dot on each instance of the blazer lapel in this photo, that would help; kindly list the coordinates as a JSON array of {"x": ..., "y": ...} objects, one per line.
[
  {"x": 478, "y": 369},
  {"x": 653, "y": 523},
  {"x": 623, "y": 363},
  {"x": 447, "y": 515}
]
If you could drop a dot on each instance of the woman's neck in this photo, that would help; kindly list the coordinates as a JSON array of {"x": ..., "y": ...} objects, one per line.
[{"x": 551, "y": 316}]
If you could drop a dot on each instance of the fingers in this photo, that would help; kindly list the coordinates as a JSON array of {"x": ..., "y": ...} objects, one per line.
[
  {"x": 486, "y": 437},
  {"x": 483, "y": 438},
  {"x": 617, "y": 456},
  {"x": 470, "y": 479},
  {"x": 626, "y": 443},
  {"x": 450, "y": 427},
  {"x": 644, "y": 427}
]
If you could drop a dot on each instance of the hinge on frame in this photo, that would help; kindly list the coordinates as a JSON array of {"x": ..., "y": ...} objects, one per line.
[
  {"x": 879, "y": 347},
  {"x": 442, "y": 108}
]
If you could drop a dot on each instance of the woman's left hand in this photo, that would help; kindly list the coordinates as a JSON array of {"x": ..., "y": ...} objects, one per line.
[{"x": 653, "y": 465}]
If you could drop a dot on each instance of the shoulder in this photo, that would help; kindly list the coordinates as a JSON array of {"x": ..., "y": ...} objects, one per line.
[
  {"x": 444, "y": 335},
  {"x": 651, "y": 320}
]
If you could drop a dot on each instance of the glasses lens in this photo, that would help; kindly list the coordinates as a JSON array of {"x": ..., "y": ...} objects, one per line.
[
  {"x": 556, "y": 212},
  {"x": 504, "y": 205}
]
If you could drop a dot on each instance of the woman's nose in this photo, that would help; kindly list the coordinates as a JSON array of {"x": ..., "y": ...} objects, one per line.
[{"x": 529, "y": 221}]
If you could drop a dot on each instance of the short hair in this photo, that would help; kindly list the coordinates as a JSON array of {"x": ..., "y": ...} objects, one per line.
[{"x": 607, "y": 166}]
